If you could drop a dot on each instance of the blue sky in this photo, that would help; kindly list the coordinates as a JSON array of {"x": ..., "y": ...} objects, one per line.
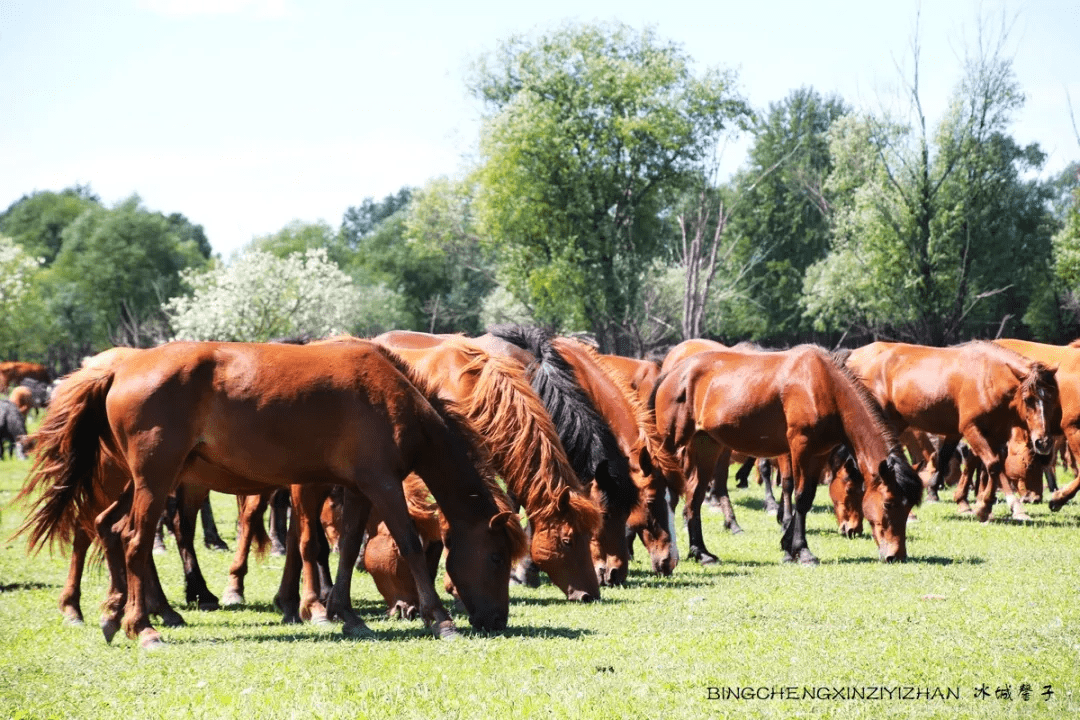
[{"x": 247, "y": 114}]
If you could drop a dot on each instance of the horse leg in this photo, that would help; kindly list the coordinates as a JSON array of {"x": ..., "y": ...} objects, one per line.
[
  {"x": 211, "y": 538},
  {"x": 188, "y": 500},
  {"x": 279, "y": 513},
  {"x": 765, "y": 472},
  {"x": 702, "y": 457},
  {"x": 108, "y": 529},
  {"x": 742, "y": 475},
  {"x": 72, "y": 593},
  {"x": 994, "y": 464},
  {"x": 807, "y": 469},
  {"x": 968, "y": 478},
  {"x": 287, "y": 599},
  {"x": 307, "y": 501},
  {"x": 355, "y": 509},
  {"x": 719, "y": 488},
  {"x": 1067, "y": 493},
  {"x": 156, "y": 602},
  {"x": 387, "y": 495},
  {"x": 251, "y": 509},
  {"x": 146, "y": 507},
  {"x": 942, "y": 460}
]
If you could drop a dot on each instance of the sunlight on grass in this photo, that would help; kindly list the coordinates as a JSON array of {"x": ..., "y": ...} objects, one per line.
[{"x": 977, "y": 605}]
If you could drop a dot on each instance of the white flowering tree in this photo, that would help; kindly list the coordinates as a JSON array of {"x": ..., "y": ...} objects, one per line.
[
  {"x": 258, "y": 297},
  {"x": 21, "y": 306}
]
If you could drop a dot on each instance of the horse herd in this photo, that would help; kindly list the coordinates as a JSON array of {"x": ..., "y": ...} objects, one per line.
[{"x": 393, "y": 448}]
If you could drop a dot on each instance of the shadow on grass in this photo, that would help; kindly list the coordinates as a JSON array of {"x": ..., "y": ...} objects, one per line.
[
  {"x": 1040, "y": 521},
  {"x": 916, "y": 560},
  {"x": 368, "y": 608},
  {"x": 412, "y": 631},
  {"x": 545, "y": 601},
  {"x": 15, "y": 587}
]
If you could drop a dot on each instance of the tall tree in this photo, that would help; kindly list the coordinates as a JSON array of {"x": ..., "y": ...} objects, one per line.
[
  {"x": 37, "y": 221},
  {"x": 937, "y": 237},
  {"x": 585, "y": 127}
]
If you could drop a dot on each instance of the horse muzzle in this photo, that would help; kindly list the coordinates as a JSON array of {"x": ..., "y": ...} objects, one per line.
[
  {"x": 1042, "y": 446},
  {"x": 490, "y": 621}
]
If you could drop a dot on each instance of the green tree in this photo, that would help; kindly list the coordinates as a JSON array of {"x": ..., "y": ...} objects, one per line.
[
  {"x": 937, "y": 238},
  {"x": 25, "y": 328},
  {"x": 298, "y": 237},
  {"x": 37, "y": 221},
  {"x": 585, "y": 128},
  {"x": 115, "y": 268}
]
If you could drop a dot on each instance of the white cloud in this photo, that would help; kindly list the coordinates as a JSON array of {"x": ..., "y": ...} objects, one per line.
[{"x": 272, "y": 9}]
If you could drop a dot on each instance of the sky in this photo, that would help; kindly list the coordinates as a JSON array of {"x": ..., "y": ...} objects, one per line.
[{"x": 245, "y": 115}]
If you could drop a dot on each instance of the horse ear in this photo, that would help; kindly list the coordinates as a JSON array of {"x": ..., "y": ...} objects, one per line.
[
  {"x": 501, "y": 519},
  {"x": 564, "y": 500},
  {"x": 885, "y": 471}
]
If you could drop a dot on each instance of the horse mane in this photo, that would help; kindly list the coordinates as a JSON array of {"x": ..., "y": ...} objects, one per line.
[
  {"x": 512, "y": 419},
  {"x": 1034, "y": 375},
  {"x": 665, "y": 462},
  {"x": 585, "y": 435}
]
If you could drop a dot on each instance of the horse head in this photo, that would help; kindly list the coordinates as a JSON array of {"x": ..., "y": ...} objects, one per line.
[
  {"x": 893, "y": 491},
  {"x": 479, "y": 557},
  {"x": 846, "y": 491},
  {"x": 561, "y": 547},
  {"x": 651, "y": 519},
  {"x": 1038, "y": 406}
]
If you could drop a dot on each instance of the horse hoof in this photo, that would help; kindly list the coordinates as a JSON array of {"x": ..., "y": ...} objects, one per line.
[
  {"x": 172, "y": 620},
  {"x": 1021, "y": 516},
  {"x": 1055, "y": 504},
  {"x": 982, "y": 511},
  {"x": 357, "y": 631},
  {"x": 320, "y": 618},
  {"x": 291, "y": 619},
  {"x": 109, "y": 628},
  {"x": 708, "y": 559},
  {"x": 787, "y": 558},
  {"x": 445, "y": 630},
  {"x": 736, "y": 530},
  {"x": 150, "y": 639},
  {"x": 209, "y": 605},
  {"x": 73, "y": 619},
  {"x": 806, "y": 558},
  {"x": 231, "y": 598}
]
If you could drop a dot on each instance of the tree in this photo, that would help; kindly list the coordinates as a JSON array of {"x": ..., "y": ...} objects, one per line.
[
  {"x": 361, "y": 220},
  {"x": 936, "y": 238},
  {"x": 584, "y": 129},
  {"x": 298, "y": 237},
  {"x": 24, "y": 330},
  {"x": 259, "y": 296},
  {"x": 115, "y": 268},
  {"x": 37, "y": 221}
]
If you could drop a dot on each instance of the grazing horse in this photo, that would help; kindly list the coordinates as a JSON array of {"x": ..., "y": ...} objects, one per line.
[
  {"x": 588, "y": 439},
  {"x": 1065, "y": 362},
  {"x": 493, "y": 393},
  {"x": 798, "y": 403},
  {"x": 12, "y": 430},
  {"x": 976, "y": 391},
  {"x": 261, "y": 412},
  {"x": 654, "y": 471}
]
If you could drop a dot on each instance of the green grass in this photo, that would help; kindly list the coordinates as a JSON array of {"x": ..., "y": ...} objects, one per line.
[{"x": 991, "y": 605}]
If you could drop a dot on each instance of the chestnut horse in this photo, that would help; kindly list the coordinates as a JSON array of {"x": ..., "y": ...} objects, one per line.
[
  {"x": 796, "y": 402},
  {"x": 493, "y": 393},
  {"x": 977, "y": 391},
  {"x": 640, "y": 374},
  {"x": 13, "y": 371},
  {"x": 260, "y": 412},
  {"x": 586, "y": 435},
  {"x": 1065, "y": 362}
]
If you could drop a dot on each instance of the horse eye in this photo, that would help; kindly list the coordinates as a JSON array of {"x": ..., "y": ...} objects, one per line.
[{"x": 566, "y": 540}]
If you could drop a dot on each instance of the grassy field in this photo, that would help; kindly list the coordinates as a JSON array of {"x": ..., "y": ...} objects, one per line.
[{"x": 990, "y": 607}]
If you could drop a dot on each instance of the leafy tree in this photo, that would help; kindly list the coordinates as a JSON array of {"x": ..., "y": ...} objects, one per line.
[
  {"x": 259, "y": 297},
  {"x": 37, "y": 221},
  {"x": 585, "y": 127},
  {"x": 115, "y": 268},
  {"x": 298, "y": 237},
  {"x": 361, "y": 220},
  {"x": 936, "y": 238},
  {"x": 24, "y": 330}
]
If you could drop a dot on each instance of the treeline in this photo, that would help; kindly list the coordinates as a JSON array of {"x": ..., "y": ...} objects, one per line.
[{"x": 593, "y": 207}]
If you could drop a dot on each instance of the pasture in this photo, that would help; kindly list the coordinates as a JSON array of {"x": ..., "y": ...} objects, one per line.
[{"x": 977, "y": 609}]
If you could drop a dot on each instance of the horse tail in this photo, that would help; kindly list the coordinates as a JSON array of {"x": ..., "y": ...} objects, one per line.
[
  {"x": 69, "y": 445},
  {"x": 260, "y": 538},
  {"x": 528, "y": 455}
]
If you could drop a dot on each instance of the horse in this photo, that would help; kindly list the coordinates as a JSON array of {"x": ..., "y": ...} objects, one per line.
[
  {"x": 587, "y": 437},
  {"x": 798, "y": 403},
  {"x": 230, "y": 405},
  {"x": 1065, "y": 363},
  {"x": 13, "y": 372},
  {"x": 639, "y": 374},
  {"x": 492, "y": 391},
  {"x": 976, "y": 391},
  {"x": 653, "y": 470},
  {"x": 1021, "y": 466},
  {"x": 12, "y": 430}
]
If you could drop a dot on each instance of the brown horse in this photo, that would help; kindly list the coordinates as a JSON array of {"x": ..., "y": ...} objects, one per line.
[
  {"x": 1065, "y": 362},
  {"x": 13, "y": 371},
  {"x": 640, "y": 374},
  {"x": 493, "y": 393},
  {"x": 977, "y": 391},
  {"x": 259, "y": 412},
  {"x": 796, "y": 402},
  {"x": 654, "y": 471},
  {"x": 1022, "y": 466}
]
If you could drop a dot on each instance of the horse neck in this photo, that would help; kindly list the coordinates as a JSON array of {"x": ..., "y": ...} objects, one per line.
[{"x": 867, "y": 436}]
